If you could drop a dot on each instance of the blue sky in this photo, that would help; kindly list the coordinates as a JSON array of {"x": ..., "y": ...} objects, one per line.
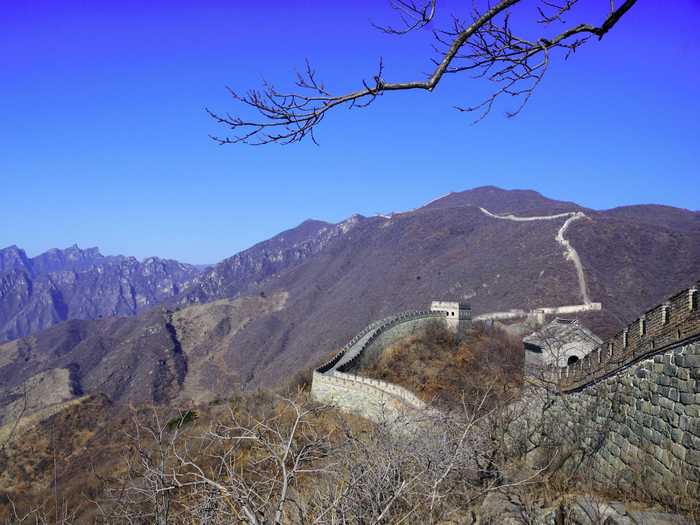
[{"x": 104, "y": 138}]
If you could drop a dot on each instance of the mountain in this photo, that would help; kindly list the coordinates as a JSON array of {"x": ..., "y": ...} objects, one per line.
[
  {"x": 496, "y": 200},
  {"x": 249, "y": 267},
  {"x": 73, "y": 283},
  {"x": 256, "y": 318}
]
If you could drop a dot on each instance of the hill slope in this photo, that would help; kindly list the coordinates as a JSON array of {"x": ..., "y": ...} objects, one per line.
[{"x": 298, "y": 296}]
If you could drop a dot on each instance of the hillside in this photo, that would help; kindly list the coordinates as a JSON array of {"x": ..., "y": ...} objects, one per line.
[
  {"x": 371, "y": 267},
  {"x": 157, "y": 357},
  {"x": 280, "y": 306},
  {"x": 38, "y": 292}
]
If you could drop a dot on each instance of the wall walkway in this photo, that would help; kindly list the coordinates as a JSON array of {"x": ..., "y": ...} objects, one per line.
[{"x": 371, "y": 398}]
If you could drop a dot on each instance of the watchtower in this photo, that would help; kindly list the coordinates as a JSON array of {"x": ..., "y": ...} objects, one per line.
[{"x": 459, "y": 315}]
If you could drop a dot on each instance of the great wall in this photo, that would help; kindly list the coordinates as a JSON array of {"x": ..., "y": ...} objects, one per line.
[
  {"x": 672, "y": 324},
  {"x": 334, "y": 383},
  {"x": 635, "y": 398},
  {"x": 634, "y": 401},
  {"x": 570, "y": 252},
  {"x": 329, "y": 388}
]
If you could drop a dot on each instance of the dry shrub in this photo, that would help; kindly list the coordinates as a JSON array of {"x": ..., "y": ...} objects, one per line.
[{"x": 443, "y": 367}]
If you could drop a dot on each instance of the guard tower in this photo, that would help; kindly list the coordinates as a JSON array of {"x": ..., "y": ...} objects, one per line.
[{"x": 459, "y": 315}]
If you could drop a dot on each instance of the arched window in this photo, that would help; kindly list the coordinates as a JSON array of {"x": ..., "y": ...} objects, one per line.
[{"x": 572, "y": 360}]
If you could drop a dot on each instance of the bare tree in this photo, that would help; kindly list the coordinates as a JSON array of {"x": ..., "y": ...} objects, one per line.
[
  {"x": 480, "y": 41},
  {"x": 146, "y": 492},
  {"x": 300, "y": 463},
  {"x": 39, "y": 516}
]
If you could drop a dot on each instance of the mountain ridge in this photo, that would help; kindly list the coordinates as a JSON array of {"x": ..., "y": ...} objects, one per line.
[
  {"x": 72, "y": 283},
  {"x": 259, "y": 316}
]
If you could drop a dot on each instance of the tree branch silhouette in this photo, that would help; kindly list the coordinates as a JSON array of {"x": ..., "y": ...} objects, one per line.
[{"x": 484, "y": 45}]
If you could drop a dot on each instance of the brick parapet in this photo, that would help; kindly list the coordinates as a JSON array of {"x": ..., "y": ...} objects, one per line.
[{"x": 672, "y": 323}]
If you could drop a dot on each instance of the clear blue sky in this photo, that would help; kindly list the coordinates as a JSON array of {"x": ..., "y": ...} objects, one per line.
[{"x": 103, "y": 135}]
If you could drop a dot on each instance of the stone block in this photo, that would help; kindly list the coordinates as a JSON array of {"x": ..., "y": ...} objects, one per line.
[
  {"x": 690, "y": 472},
  {"x": 688, "y": 361},
  {"x": 661, "y": 426},
  {"x": 677, "y": 435},
  {"x": 663, "y": 456},
  {"x": 688, "y": 398},
  {"x": 672, "y": 418},
  {"x": 683, "y": 385},
  {"x": 666, "y": 404},
  {"x": 694, "y": 426},
  {"x": 690, "y": 441},
  {"x": 678, "y": 451},
  {"x": 670, "y": 370},
  {"x": 693, "y": 457},
  {"x": 673, "y": 394},
  {"x": 662, "y": 380},
  {"x": 692, "y": 410}
]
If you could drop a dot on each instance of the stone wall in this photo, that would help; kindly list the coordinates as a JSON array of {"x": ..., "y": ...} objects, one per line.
[
  {"x": 674, "y": 322},
  {"x": 376, "y": 400},
  {"x": 344, "y": 359},
  {"x": 371, "y": 398},
  {"x": 638, "y": 429}
]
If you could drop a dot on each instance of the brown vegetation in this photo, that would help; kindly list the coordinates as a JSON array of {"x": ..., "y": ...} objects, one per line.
[
  {"x": 439, "y": 366},
  {"x": 267, "y": 458}
]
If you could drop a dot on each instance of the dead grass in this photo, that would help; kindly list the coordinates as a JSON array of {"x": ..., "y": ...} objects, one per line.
[{"x": 439, "y": 366}]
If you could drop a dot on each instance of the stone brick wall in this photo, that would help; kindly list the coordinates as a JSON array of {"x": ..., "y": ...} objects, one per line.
[
  {"x": 376, "y": 400},
  {"x": 672, "y": 323},
  {"x": 638, "y": 429}
]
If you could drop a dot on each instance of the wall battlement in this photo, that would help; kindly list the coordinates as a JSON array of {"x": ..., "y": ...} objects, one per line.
[{"x": 673, "y": 323}]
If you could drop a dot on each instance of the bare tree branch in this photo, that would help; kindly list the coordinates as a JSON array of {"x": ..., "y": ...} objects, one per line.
[{"x": 486, "y": 46}]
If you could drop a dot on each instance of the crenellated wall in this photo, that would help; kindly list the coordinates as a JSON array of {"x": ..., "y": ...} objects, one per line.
[
  {"x": 639, "y": 428},
  {"x": 672, "y": 323},
  {"x": 357, "y": 345}
]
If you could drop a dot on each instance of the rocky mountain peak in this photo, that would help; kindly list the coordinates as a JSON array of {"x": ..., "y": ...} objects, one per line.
[
  {"x": 12, "y": 258},
  {"x": 76, "y": 283}
]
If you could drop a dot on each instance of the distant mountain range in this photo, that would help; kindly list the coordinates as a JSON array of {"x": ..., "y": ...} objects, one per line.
[
  {"x": 259, "y": 316},
  {"x": 38, "y": 292}
]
